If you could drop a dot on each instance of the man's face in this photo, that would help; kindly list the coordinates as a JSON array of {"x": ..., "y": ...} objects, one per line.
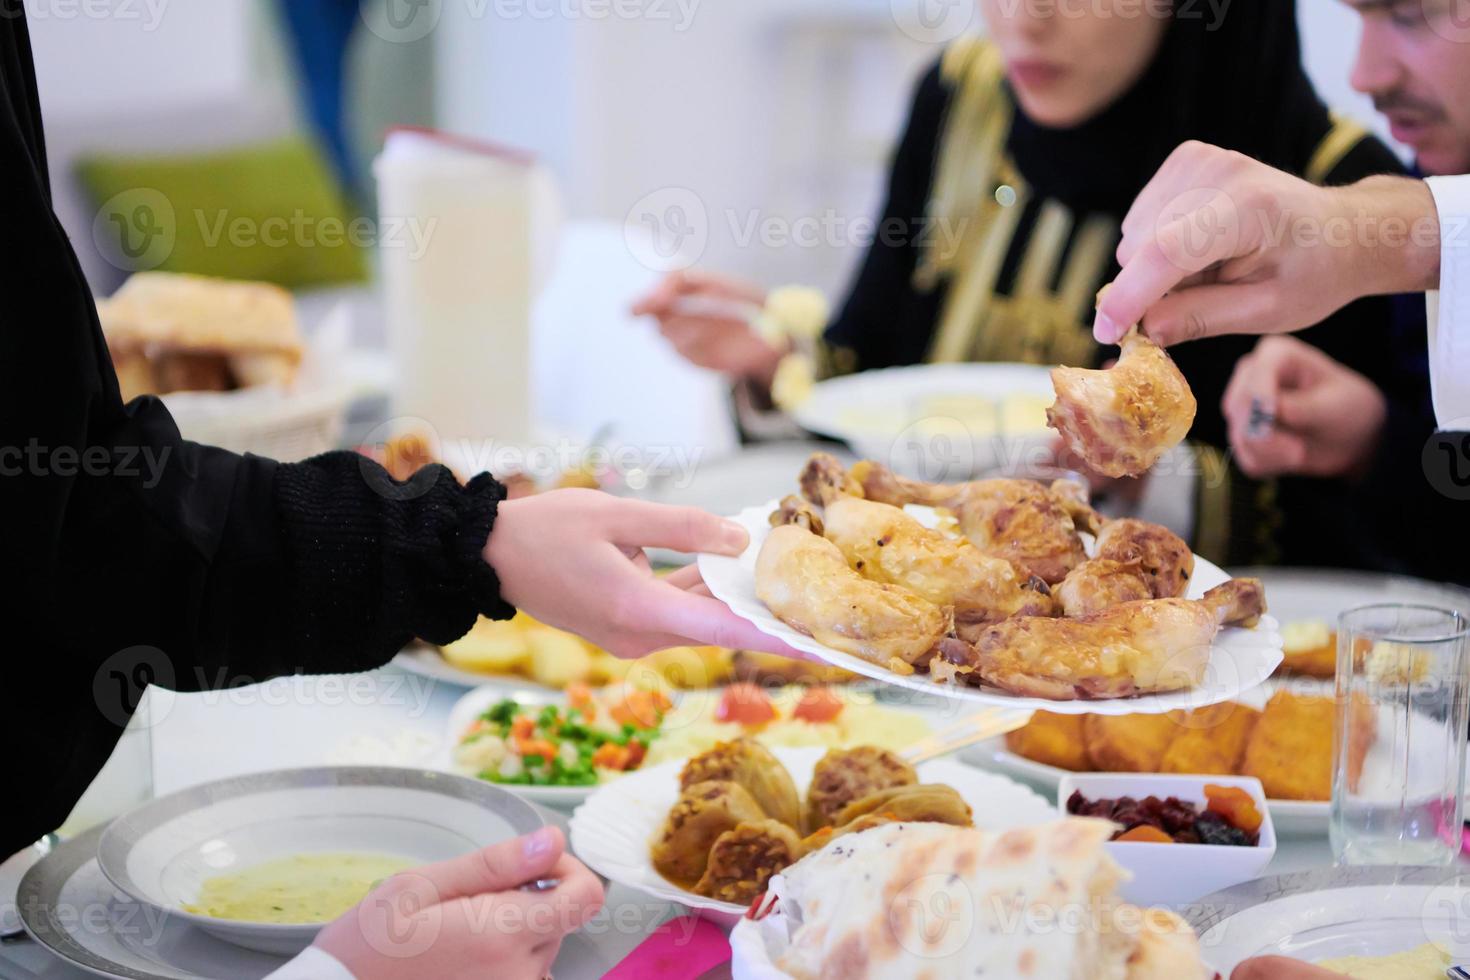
[{"x": 1414, "y": 60}]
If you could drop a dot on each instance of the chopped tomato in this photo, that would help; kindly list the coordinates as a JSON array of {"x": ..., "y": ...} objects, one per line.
[
  {"x": 818, "y": 704},
  {"x": 536, "y": 746},
  {"x": 610, "y": 755},
  {"x": 745, "y": 704},
  {"x": 521, "y": 727},
  {"x": 1235, "y": 805},
  {"x": 642, "y": 708},
  {"x": 636, "y": 751},
  {"x": 1144, "y": 834}
]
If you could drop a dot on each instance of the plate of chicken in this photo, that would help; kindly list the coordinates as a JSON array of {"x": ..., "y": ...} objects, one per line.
[{"x": 1004, "y": 591}]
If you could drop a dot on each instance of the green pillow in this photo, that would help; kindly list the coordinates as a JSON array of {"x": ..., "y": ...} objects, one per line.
[{"x": 271, "y": 212}]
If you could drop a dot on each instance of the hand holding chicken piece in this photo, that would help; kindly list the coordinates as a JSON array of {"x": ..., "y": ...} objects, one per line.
[{"x": 1121, "y": 420}]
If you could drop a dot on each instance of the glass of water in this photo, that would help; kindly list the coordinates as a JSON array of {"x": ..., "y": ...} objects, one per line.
[{"x": 1403, "y": 705}]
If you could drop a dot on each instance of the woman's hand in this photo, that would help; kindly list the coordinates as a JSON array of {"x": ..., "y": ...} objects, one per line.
[
  {"x": 466, "y": 918},
  {"x": 1327, "y": 417},
  {"x": 574, "y": 559},
  {"x": 1218, "y": 243},
  {"x": 707, "y": 319},
  {"x": 1281, "y": 968}
]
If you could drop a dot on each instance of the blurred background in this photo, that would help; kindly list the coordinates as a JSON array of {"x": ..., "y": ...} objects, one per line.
[{"x": 770, "y": 119}]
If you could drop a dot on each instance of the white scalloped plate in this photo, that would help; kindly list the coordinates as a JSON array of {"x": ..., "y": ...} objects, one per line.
[
  {"x": 613, "y": 831},
  {"x": 1239, "y": 660}
]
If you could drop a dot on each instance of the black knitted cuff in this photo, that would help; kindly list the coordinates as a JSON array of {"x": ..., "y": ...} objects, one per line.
[{"x": 479, "y": 506}]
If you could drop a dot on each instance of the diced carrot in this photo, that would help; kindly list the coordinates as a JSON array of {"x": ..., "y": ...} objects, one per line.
[
  {"x": 579, "y": 695},
  {"x": 536, "y": 746},
  {"x": 642, "y": 708},
  {"x": 1235, "y": 805},
  {"x": 636, "y": 753},
  {"x": 1145, "y": 834},
  {"x": 745, "y": 704},
  {"x": 521, "y": 726},
  {"x": 610, "y": 755},
  {"x": 818, "y": 705}
]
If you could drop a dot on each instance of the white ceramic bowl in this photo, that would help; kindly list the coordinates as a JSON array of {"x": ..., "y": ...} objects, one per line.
[
  {"x": 1175, "y": 874},
  {"x": 160, "y": 853}
]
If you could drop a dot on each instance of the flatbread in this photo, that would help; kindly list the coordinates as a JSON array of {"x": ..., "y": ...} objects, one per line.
[{"x": 909, "y": 901}]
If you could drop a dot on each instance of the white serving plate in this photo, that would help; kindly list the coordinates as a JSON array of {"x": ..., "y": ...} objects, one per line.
[
  {"x": 887, "y": 415},
  {"x": 613, "y": 831},
  {"x": 160, "y": 853},
  {"x": 1240, "y": 659},
  {"x": 1332, "y": 912},
  {"x": 1172, "y": 874}
]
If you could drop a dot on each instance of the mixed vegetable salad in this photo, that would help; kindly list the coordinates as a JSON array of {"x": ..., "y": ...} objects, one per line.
[{"x": 562, "y": 746}]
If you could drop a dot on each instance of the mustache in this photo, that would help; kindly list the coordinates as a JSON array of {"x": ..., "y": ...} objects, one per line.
[{"x": 1400, "y": 101}]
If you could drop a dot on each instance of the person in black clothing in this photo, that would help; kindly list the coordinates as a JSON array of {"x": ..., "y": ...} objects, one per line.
[
  {"x": 1020, "y": 158},
  {"x": 136, "y": 556}
]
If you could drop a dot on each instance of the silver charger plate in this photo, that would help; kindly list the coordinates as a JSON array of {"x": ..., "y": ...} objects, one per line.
[{"x": 1332, "y": 912}]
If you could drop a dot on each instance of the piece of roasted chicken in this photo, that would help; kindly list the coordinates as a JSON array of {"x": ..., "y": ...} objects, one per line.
[
  {"x": 703, "y": 812},
  {"x": 1122, "y": 419},
  {"x": 751, "y": 764},
  {"x": 743, "y": 860},
  {"x": 884, "y": 544},
  {"x": 806, "y": 582},
  {"x": 843, "y": 776},
  {"x": 1023, "y": 521},
  {"x": 1135, "y": 560},
  {"x": 1141, "y": 647}
]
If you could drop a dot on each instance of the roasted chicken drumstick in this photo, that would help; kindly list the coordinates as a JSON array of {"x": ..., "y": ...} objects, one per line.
[
  {"x": 1121, "y": 420},
  {"x": 1140, "y": 647},
  {"x": 1135, "y": 560}
]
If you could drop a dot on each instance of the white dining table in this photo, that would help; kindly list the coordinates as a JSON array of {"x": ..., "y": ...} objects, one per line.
[{"x": 389, "y": 717}]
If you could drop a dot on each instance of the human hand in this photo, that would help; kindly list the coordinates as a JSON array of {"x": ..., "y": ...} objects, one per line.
[
  {"x": 466, "y": 918},
  {"x": 707, "y": 319},
  {"x": 1219, "y": 243},
  {"x": 1328, "y": 417},
  {"x": 1281, "y": 968},
  {"x": 574, "y": 559}
]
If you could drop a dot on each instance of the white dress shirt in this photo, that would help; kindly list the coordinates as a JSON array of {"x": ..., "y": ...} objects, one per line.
[
  {"x": 313, "y": 964},
  {"x": 1449, "y": 308}
]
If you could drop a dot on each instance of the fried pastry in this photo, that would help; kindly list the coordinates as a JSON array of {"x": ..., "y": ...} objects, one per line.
[
  {"x": 1134, "y": 648},
  {"x": 1211, "y": 740},
  {"x": 1309, "y": 648},
  {"x": 807, "y": 584},
  {"x": 1290, "y": 750},
  {"x": 845, "y": 775},
  {"x": 1121, "y": 420},
  {"x": 704, "y": 812},
  {"x": 924, "y": 803},
  {"x": 1052, "y": 740},
  {"x": 1129, "y": 743},
  {"x": 743, "y": 859},
  {"x": 751, "y": 764}
]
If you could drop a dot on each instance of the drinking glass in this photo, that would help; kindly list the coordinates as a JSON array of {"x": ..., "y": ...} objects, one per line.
[{"x": 1403, "y": 703}]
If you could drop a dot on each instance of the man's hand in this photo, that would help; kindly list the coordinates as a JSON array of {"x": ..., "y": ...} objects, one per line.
[
  {"x": 707, "y": 319},
  {"x": 1328, "y": 417},
  {"x": 1220, "y": 243},
  {"x": 574, "y": 559}
]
